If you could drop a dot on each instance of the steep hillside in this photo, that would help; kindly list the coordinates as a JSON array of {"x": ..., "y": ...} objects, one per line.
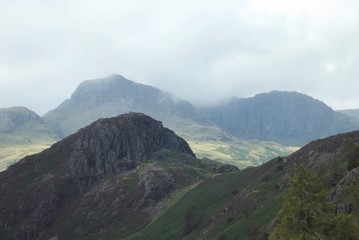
[
  {"x": 289, "y": 118},
  {"x": 245, "y": 205},
  {"x": 106, "y": 180},
  {"x": 22, "y": 132}
]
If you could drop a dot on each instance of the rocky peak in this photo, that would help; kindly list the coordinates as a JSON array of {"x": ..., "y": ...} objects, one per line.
[
  {"x": 111, "y": 96},
  {"x": 78, "y": 168},
  {"x": 117, "y": 144}
]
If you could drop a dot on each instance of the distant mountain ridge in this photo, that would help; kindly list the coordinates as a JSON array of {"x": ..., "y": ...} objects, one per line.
[
  {"x": 114, "y": 95},
  {"x": 244, "y": 132},
  {"x": 289, "y": 118}
]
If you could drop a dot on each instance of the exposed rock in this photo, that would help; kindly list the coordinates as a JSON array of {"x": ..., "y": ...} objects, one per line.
[
  {"x": 157, "y": 182},
  {"x": 341, "y": 190},
  {"x": 227, "y": 168}
]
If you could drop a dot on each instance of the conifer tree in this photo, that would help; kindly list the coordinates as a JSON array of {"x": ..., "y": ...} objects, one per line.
[{"x": 303, "y": 211}]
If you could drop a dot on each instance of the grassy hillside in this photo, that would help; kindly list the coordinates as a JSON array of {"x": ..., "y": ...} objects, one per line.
[
  {"x": 245, "y": 204},
  {"x": 11, "y": 153},
  {"x": 228, "y": 206}
]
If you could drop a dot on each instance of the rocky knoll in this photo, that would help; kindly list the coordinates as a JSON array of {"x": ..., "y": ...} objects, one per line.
[{"x": 111, "y": 171}]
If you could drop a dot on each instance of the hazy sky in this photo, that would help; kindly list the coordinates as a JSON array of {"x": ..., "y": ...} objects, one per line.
[{"x": 202, "y": 51}]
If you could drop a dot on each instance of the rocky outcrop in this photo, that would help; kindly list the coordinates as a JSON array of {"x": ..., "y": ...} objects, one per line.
[
  {"x": 341, "y": 191},
  {"x": 226, "y": 168},
  {"x": 119, "y": 144},
  {"x": 157, "y": 183}
]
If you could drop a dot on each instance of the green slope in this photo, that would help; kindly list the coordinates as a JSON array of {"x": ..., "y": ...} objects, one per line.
[
  {"x": 228, "y": 206},
  {"x": 245, "y": 204}
]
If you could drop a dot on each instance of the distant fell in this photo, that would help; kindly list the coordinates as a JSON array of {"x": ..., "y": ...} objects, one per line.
[
  {"x": 289, "y": 118},
  {"x": 22, "y": 132},
  {"x": 18, "y": 118},
  {"x": 111, "y": 96}
]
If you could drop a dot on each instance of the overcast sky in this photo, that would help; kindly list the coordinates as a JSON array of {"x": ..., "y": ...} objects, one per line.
[{"x": 202, "y": 51}]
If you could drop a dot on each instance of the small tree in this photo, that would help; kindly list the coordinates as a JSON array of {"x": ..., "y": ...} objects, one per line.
[{"x": 303, "y": 209}]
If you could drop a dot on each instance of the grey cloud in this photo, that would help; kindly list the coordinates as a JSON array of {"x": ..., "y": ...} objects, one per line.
[{"x": 203, "y": 51}]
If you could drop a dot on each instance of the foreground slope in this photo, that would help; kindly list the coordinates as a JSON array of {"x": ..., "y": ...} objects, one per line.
[
  {"x": 22, "y": 132},
  {"x": 245, "y": 204},
  {"x": 289, "y": 118},
  {"x": 130, "y": 178},
  {"x": 105, "y": 181}
]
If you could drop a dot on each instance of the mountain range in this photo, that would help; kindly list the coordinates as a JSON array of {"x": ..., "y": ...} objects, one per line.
[
  {"x": 128, "y": 177},
  {"x": 245, "y": 132}
]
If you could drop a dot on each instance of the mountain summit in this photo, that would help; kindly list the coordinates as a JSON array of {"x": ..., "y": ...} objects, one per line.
[
  {"x": 111, "y": 96},
  {"x": 289, "y": 118}
]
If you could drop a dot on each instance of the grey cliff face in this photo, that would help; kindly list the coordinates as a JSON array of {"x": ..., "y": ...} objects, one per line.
[{"x": 119, "y": 144}]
